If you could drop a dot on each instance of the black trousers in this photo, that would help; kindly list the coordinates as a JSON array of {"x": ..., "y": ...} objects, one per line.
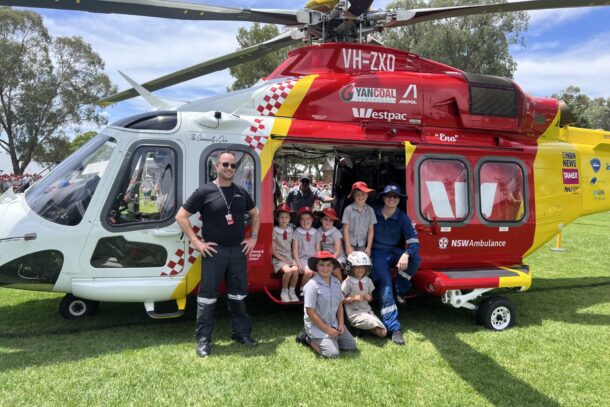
[{"x": 228, "y": 264}]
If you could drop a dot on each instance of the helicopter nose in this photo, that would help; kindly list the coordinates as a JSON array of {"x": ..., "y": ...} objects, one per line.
[{"x": 37, "y": 271}]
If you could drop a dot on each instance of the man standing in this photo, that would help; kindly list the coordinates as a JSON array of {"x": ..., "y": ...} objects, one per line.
[
  {"x": 305, "y": 195},
  {"x": 222, "y": 205},
  {"x": 395, "y": 244}
]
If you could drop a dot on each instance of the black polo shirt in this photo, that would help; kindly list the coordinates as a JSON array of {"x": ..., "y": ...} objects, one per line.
[{"x": 207, "y": 201}]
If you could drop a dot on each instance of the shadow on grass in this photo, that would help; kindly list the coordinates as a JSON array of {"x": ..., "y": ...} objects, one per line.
[
  {"x": 36, "y": 335},
  {"x": 553, "y": 299}
]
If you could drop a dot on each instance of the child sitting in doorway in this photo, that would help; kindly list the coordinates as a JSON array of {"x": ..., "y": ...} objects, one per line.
[
  {"x": 304, "y": 243},
  {"x": 357, "y": 290},
  {"x": 328, "y": 238},
  {"x": 359, "y": 221},
  {"x": 282, "y": 254},
  {"x": 324, "y": 323}
]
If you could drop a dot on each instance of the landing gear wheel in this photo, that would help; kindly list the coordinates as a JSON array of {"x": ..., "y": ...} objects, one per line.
[
  {"x": 496, "y": 313},
  {"x": 72, "y": 307}
]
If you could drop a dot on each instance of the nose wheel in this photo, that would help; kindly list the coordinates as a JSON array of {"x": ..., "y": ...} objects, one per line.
[
  {"x": 496, "y": 313},
  {"x": 72, "y": 307}
]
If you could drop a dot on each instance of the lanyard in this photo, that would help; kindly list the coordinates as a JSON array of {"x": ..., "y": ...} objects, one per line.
[{"x": 227, "y": 204}]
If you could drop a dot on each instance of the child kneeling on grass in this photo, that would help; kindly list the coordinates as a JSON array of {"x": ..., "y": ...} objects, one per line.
[
  {"x": 324, "y": 310},
  {"x": 357, "y": 289}
]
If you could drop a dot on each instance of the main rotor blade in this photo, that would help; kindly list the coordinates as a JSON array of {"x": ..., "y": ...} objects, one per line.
[
  {"x": 409, "y": 17},
  {"x": 164, "y": 9},
  {"x": 217, "y": 64},
  {"x": 357, "y": 7}
]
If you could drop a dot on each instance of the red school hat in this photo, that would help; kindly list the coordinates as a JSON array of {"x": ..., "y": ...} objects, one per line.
[
  {"x": 330, "y": 212},
  {"x": 312, "y": 262},
  {"x": 361, "y": 185},
  {"x": 283, "y": 208},
  {"x": 304, "y": 210}
]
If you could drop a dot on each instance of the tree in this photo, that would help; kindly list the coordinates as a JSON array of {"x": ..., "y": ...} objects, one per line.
[
  {"x": 81, "y": 139},
  {"x": 475, "y": 44},
  {"x": 578, "y": 104},
  {"x": 47, "y": 85},
  {"x": 249, "y": 73},
  {"x": 598, "y": 113},
  {"x": 53, "y": 151}
]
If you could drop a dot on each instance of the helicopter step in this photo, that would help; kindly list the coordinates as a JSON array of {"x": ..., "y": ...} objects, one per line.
[
  {"x": 439, "y": 282},
  {"x": 150, "y": 310}
]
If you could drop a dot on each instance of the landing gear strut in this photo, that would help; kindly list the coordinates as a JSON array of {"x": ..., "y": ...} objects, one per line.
[{"x": 72, "y": 307}]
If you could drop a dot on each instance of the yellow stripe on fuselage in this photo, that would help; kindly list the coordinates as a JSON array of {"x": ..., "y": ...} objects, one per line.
[{"x": 283, "y": 121}]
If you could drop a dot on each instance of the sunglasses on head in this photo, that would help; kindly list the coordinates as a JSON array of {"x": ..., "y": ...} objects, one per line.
[{"x": 227, "y": 165}]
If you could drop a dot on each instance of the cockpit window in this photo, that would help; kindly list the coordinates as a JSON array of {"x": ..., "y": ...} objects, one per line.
[
  {"x": 64, "y": 195},
  {"x": 147, "y": 189}
]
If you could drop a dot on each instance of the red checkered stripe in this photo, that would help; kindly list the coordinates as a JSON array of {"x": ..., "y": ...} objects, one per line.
[
  {"x": 175, "y": 265},
  {"x": 256, "y": 137},
  {"x": 274, "y": 97}
]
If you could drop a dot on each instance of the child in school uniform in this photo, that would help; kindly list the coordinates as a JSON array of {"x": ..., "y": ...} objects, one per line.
[
  {"x": 282, "y": 254},
  {"x": 304, "y": 243},
  {"x": 359, "y": 221},
  {"x": 357, "y": 291},
  {"x": 328, "y": 238},
  {"x": 323, "y": 316}
]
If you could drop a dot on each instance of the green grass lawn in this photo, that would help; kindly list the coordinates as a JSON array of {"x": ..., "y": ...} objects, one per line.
[{"x": 557, "y": 354}]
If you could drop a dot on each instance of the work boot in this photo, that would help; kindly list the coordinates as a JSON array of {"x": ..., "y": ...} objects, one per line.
[
  {"x": 244, "y": 339},
  {"x": 397, "y": 338},
  {"x": 204, "y": 348},
  {"x": 302, "y": 338}
]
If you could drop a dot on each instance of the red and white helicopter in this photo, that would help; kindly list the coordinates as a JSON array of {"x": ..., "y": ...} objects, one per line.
[{"x": 491, "y": 173}]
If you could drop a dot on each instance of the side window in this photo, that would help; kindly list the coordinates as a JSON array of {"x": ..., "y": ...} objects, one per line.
[
  {"x": 116, "y": 252},
  {"x": 147, "y": 189},
  {"x": 443, "y": 190},
  {"x": 501, "y": 190},
  {"x": 244, "y": 173}
]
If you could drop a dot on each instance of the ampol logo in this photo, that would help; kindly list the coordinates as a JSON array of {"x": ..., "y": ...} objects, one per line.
[{"x": 443, "y": 243}]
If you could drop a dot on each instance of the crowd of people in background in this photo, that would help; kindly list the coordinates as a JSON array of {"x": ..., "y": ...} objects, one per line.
[{"x": 19, "y": 183}]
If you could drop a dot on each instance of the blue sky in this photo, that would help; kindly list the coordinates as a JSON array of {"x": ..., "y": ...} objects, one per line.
[{"x": 563, "y": 47}]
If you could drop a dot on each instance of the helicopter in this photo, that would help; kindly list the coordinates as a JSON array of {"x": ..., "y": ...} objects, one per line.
[{"x": 491, "y": 173}]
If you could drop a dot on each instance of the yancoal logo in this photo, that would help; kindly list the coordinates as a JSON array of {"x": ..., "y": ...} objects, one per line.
[
  {"x": 351, "y": 93},
  {"x": 369, "y": 113},
  {"x": 596, "y": 164},
  {"x": 443, "y": 243}
]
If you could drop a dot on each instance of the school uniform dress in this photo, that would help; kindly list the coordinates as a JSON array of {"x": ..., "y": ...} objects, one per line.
[
  {"x": 306, "y": 240},
  {"x": 325, "y": 298},
  {"x": 327, "y": 241},
  {"x": 283, "y": 246},
  {"x": 359, "y": 221},
  {"x": 359, "y": 313}
]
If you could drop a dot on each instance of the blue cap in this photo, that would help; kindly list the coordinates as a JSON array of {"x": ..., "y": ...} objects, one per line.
[{"x": 392, "y": 189}]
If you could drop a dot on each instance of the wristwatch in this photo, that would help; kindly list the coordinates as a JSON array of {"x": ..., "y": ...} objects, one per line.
[{"x": 254, "y": 235}]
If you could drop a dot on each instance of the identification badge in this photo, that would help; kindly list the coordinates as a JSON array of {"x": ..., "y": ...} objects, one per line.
[{"x": 229, "y": 219}]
